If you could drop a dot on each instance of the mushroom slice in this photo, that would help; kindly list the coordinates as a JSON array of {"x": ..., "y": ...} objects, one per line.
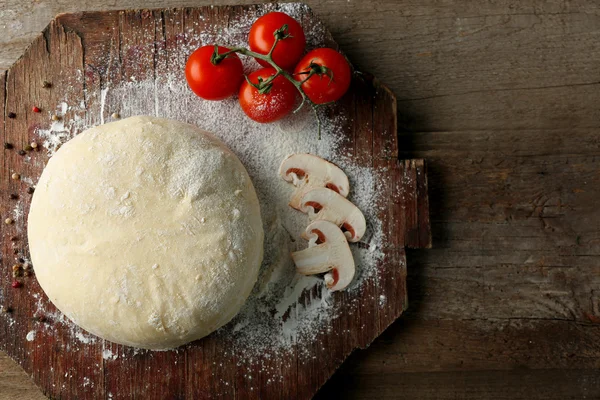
[
  {"x": 325, "y": 204},
  {"x": 307, "y": 172},
  {"x": 328, "y": 251}
]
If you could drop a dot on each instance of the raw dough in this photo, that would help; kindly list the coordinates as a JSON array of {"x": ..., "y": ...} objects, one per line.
[{"x": 146, "y": 232}]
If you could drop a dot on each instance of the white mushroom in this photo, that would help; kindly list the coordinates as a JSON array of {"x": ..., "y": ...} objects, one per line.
[
  {"x": 307, "y": 172},
  {"x": 328, "y": 251},
  {"x": 325, "y": 204}
]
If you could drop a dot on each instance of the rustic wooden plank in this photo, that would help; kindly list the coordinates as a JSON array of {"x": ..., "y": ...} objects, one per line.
[
  {"x": 89, "y": 53},
  {"x": 489, "y": 385},
  {"x": 530, "y": 235},
  {"x": 477, "y": 345},
  {"x": 14, "y": 383},
  {"x": 507, "y": 46},
  {"x": 52, "y": 53},
  {"x": 512, "y": 279}
]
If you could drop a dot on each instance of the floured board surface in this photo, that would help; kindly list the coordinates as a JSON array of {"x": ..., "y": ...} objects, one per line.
[{"x": 291, "y": 336}]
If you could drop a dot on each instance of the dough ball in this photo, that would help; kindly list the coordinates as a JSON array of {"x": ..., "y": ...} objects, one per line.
[{"x": 146, "y": 232}]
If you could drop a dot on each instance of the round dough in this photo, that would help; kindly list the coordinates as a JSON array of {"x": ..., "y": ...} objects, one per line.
[{"x": 146, "y": 232}]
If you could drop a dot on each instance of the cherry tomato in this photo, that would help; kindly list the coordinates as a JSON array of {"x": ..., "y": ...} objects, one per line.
[
  {"x": 331, "y": 77},
  {"x": 213, "y": 81},
  {"x": 274, "y": 103},
  {"x": 288, "y": 50}
]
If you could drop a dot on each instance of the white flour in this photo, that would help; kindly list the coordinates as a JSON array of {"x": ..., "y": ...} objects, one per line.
[
  {"x": 284, "y": 309},
  {"x": 109, "y": 355}
]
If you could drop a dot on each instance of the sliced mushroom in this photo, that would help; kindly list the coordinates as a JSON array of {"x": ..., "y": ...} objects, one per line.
[
  {"x": 328, "y": 251},
  {"x": 325, "y": 204},
  {"x": 307, "y": 172}
]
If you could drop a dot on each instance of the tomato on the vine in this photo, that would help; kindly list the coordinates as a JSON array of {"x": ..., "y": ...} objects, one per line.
[
  {"x": 290, "y": 47},
  {"x": 328, "y": 74},
  {"x": 213, "y": 81},
  {"x": 272, "y": 102}
]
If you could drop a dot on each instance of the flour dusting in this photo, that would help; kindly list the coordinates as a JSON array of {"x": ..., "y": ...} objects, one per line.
[
  {"x": 284, "y": 309},
  {"x": 107, "y": 354}
]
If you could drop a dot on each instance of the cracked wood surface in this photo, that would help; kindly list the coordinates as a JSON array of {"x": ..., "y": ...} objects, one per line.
[{"x": 502, "y": 98}]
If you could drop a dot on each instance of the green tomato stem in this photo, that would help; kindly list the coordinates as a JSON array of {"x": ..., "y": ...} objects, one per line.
[{"x": 278, "y": 71}]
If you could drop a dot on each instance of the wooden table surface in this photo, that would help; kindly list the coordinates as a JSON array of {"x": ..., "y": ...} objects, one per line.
[{"x": 502, "y": 98}]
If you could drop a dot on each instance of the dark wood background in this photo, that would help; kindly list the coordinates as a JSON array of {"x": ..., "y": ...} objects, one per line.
[{"x": 503, "y": 99}]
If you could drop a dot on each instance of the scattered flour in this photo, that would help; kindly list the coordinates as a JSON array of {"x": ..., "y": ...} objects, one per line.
[
  {"x": 109, "y": 355},
  {"x": 382, "y": 300},
  {"x": 284, "y": 309},
  {"x": 17, "y": 213},
  {"x": 30, "y": 336},
  {"x": 85, "y": 339}
]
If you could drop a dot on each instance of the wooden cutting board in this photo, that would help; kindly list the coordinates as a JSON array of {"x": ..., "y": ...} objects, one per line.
[{"x": 102, "y": 46}]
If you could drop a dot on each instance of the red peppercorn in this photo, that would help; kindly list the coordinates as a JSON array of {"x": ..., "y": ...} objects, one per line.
[
  {"x": 16, "y": 284},
  {"x": 35, "y": 109}
]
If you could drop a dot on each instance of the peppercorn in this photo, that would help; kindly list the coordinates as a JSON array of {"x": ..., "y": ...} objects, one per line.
[
  {"x": 30, "y": 190},
  {"x": 35, "y": 109},
  {"x": 8, "y": 221},
  {"x": 6, "y": 309},
  {"x": 15, "y": 176},
  {"x": 12, "y": 115},
  {"x": 41, "y": 318},
  {"x": 21, "y": 260},
  {"x": 8, "y": 146},
  {"x": 13, "y": 196},
  {"x": 14, "y": 238},
  {"x": 22, "y": 152},
  {"x": 46, "y": 84},
  {"x": 28, "y": 148}
]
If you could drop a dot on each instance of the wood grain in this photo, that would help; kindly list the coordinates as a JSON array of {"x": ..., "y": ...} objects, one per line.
[
  {"x": 501, "y": 97},
  {"x": 84, "y": 53}
]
